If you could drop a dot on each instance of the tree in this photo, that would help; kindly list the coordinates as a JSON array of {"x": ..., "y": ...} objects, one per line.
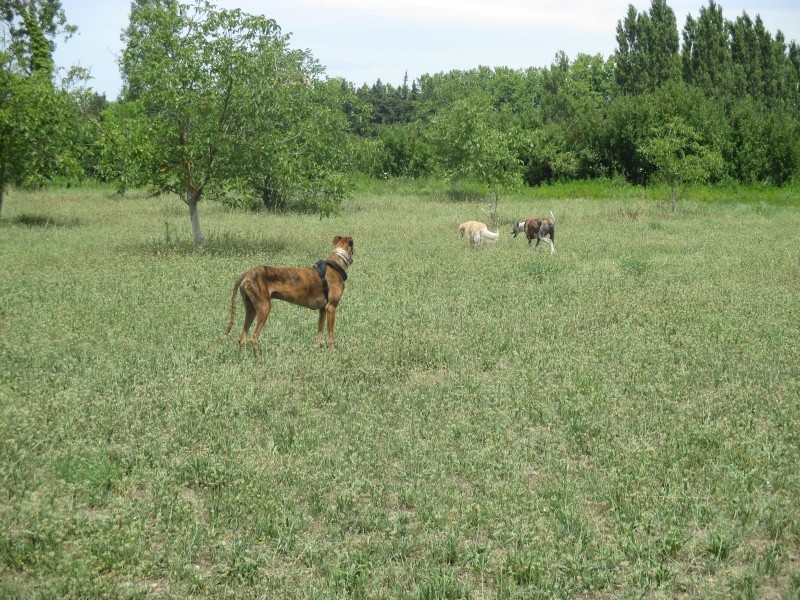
[
  {"x": 221, "y": 102},
  {"x": 574, "y": 100},
  {"x": 792, "y": 75},
  {"x": 760, "y": 62},
  {"x": 183, "y": 64},
  {"x": 32, "y": 28},
  {"x": 35, "y": 140},
  {"x": 469, "y": 144},
  {"x": 127, "y": 146},
  {"x": 706, "y": 54},
  {"x": 298, "y": 151},
  {"x": 647, "y": 49},
  {"x": 679, "y": 157}
]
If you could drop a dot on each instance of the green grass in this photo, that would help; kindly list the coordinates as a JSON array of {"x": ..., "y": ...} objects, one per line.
[{"x": 618, "y": 420}]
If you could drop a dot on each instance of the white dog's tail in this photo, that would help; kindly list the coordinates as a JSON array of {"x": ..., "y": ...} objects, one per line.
[
  {"x": 552, "y": 217},
  {"x": 490, "y": 235}
]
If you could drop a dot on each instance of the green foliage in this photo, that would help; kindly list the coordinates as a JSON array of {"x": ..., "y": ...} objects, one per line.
[
  {"x": 217, "y": 104},
  {"x": 468, "y": 143},
  {"x": 405, "y": 151},
  {"x": 763, "y": 143},
  {"x": 628, "y": 124},
  {"x": 224, "y": 103},
  {"x": 590, "y": 117},
  {"x": 679, "y": 156},
  {"x": 706, "y": 54},
  {"x": 298, "y": 146},
  {"x": 36, "y": 142},
  {"x": 127, "y": 146},
  {"x": 646, "y": 56},
  {"x": 390, "y": 105},
  {"x": 84, "y": 118},
  {"x": 36, "y": 120},
  {"x": 546, "y": 156},
  {"x": 759, "y": 61},
  {"x": 32, "y": 26}
]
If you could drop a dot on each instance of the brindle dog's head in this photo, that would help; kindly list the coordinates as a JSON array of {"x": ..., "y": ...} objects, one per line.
[
  {"x": 518, "y": 228},
  {"x": 345, "y": 243}
]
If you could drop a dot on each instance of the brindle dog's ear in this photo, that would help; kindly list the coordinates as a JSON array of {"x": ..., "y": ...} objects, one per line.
[
  {"x": 352, "y": 246},
  {"x": 336, "y": 239}
]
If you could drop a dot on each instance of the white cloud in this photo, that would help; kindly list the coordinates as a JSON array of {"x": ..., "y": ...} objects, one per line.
[{"x": 583, "y": 14}]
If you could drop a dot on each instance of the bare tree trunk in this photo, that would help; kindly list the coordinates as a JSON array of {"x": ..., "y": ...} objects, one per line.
[
  {"x": 672, "y": 202},
  {"x": 493, "y": 208},
  {"x": 192, "y": 199},
  {"x": 2, "y": 195}
]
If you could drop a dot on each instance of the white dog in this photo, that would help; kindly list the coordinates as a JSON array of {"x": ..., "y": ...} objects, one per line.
[{"x": 477, "y": 232}]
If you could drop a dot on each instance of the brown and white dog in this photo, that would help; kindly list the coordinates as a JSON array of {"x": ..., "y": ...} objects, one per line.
[
  {"x": 538, "y": 229},
  {"x": 319, "y": 288},
  {"x": 477, "y": 232}
]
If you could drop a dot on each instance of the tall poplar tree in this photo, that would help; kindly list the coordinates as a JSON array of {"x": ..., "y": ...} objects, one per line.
[
  {"x": 646, "y": 56},
  {"x": 706, "y": 56},
  {"x": 32, "y": 28}
]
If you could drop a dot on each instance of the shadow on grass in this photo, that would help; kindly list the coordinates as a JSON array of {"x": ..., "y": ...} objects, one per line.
[
  {"x": 34, "y": 220},
  {"x": 223, "y": 245}
]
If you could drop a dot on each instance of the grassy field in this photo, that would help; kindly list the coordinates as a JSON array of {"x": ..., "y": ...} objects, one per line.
[{"x": 618, "y": 420}]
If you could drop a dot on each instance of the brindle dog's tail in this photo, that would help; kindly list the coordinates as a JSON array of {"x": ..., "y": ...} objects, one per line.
[{"x": 233, "y": 307}]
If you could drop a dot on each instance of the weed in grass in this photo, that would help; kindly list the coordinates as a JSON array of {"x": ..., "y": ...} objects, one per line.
[
  {"x": 539, "y": 271},
  {"x": 352, "y": 574},
  {"x": 719, "y": 545},
  {"x": 794, "y": 582},
  {"x": 635, "y": 266},
  {"x": 524, "y": 569},
  {"x": 441, "y": 584},
  {"x": 625, "y": 214}
]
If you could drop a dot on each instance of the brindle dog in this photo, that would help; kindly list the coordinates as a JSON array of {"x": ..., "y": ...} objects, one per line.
[{"x": 320, "y": 287}]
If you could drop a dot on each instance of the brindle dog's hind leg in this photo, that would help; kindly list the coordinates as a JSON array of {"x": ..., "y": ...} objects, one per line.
[
  {"x": 262, "y": 313},
  {"x": 250, "y": 314}
]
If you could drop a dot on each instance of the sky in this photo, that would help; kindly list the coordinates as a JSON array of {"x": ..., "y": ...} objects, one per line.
[{"x": 366, "y": 40}]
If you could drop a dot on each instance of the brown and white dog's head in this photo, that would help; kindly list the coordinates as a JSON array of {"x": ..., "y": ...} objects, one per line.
[
  {"x": 518, "y": 228},
  {"x": 343, "y": 246}
]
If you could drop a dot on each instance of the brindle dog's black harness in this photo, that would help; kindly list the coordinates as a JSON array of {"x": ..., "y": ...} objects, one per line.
[{"x": 321, "y": 267}]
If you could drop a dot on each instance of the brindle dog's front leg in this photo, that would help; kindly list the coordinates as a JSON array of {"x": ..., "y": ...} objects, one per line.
[
  {"x": 320, "y": 325},
  {"x": 331, "y": 310}
]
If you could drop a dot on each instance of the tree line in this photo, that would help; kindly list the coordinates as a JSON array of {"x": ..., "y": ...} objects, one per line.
[
  {"x": 217, "y": 104},
  {"x": 729, "y": 93}
]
